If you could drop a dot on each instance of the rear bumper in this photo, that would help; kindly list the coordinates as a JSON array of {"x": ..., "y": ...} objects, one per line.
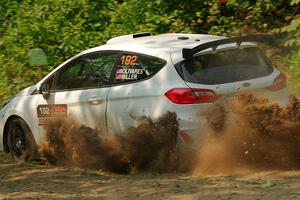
[
  {"x": 280, "y": 96},
  {"x": 190, "y": 131},
  {"x": 193, "y": 125}
]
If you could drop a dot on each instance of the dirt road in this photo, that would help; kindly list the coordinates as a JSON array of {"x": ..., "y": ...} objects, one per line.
[
  {"x": 260, "y": 135},
  {"x": 34, "y": 181}
]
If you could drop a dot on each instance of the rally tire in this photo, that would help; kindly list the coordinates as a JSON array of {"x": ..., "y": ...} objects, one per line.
[{"x": 20, "y": 141}]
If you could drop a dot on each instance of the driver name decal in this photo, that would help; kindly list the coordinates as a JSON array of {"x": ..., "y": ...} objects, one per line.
[{"x": 128, "y": 74}]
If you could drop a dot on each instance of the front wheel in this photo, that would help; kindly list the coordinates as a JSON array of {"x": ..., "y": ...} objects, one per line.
[{"x": 20, "y": 141}]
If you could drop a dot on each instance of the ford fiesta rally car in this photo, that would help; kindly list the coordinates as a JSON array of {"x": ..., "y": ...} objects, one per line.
[{"x": 108, "y": 86}]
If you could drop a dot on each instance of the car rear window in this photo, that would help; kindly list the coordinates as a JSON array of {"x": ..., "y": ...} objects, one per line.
[{"x": 226, "y": 66}]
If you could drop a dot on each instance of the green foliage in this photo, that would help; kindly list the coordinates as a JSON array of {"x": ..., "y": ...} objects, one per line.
[
  {"x": 295, "y": 2},
  {"x": 63, "y": 28},
  {"x": 293, "y": 28},
  {"x": 197, "y": 16},
  {"x": 60, "y": 28},
  {"x": 292, "y": 32},
  {"x": 295, "y": 62}
]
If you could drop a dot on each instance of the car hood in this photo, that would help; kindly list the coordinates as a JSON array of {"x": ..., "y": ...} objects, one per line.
[{"x": 27, "y": 91}]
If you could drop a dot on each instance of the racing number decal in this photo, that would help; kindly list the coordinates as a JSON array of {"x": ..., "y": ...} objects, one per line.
[
  {"x": 43, "y": 111},
  {"x": 128, "y": 60},
  {"x": 51, "y": 110},
  {"x": 128, "y": 69},
  {"x": 46, "y": 111}
]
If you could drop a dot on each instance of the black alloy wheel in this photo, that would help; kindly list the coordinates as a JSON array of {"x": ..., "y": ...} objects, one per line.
[{"x": 20, "y": 141}]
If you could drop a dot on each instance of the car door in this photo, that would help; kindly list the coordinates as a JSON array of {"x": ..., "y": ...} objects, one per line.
[
  {"x": 135, "y": 92},
  {"x": 79, "y": 91}
]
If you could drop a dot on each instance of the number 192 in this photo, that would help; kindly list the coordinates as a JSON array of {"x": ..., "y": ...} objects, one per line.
[{"x": 128, "y": 60}]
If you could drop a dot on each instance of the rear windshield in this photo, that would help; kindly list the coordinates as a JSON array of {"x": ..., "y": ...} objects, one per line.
[{"x": 226, "y": 66}]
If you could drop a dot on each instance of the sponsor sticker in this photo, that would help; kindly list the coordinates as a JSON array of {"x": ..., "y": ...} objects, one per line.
[{"x": 44, "y": 112}]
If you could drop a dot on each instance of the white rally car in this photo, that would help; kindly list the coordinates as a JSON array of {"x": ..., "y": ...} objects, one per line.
[{"x": 109, "y": 86}]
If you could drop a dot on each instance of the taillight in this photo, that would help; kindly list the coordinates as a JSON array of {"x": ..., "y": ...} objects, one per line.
[
  {"x": 186, "y": 138},
  {"x": 278, "y": 83},
  {"x": 191, "y": 96}
]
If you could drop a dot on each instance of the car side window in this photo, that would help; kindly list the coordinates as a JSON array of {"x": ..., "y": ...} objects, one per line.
[
  {"x": 89, "y": 72},
  {"x": 50, "y": 82},
  {"x": 134, "y": 67}
]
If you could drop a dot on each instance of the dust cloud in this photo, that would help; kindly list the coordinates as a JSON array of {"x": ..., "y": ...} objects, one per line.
[
  {"x": 151, "y": 146},
  {"x": 245, "y": 133}
]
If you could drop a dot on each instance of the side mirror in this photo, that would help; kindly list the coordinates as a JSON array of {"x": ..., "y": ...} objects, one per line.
[{"x": 45, "y": 90}]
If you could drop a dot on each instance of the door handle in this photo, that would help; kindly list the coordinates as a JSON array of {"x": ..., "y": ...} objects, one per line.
[{"x": 95, "y": 100}]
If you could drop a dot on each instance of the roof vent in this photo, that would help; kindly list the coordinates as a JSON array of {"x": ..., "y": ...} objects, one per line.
[
  {"x": 183, "y": 38},
  {"x": 137, "y": 35},
  {"x": 127, "y": 37}
]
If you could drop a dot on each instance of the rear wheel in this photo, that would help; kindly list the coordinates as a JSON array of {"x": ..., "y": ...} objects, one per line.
[{"x": 20, "y": 141}]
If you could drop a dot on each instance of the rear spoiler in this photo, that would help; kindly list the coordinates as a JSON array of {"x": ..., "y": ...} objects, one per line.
[{"x": 188, "y": 53}]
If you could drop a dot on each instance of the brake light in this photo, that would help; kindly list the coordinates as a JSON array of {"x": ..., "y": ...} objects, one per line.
[
  {"x": 278, "y": 83},
  {"x": 191, "y": 96},
  {"x": 186, "y": 138}
]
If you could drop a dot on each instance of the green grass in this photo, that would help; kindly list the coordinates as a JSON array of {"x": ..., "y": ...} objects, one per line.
[{"x": 268, "y": 184}]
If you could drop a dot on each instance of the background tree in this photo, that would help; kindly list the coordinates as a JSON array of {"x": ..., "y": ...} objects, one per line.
[
  {"x": 292, "y": 41},
  {"x": 63, "y": 28}
]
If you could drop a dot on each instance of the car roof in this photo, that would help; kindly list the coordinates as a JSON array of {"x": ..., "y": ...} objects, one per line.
[
  {"x": 171, "y": 41},
  {"x": 158, "y": 45}
]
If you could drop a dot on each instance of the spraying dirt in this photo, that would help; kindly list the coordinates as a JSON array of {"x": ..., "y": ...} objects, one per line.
[
  {"x": 245, "y": 133},
  {"x": 248, "y": 134},
  {"x": 148, "y": 146}
]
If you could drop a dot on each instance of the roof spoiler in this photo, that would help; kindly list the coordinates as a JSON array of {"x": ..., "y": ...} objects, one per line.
[{"x": 188, "y": 53}]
